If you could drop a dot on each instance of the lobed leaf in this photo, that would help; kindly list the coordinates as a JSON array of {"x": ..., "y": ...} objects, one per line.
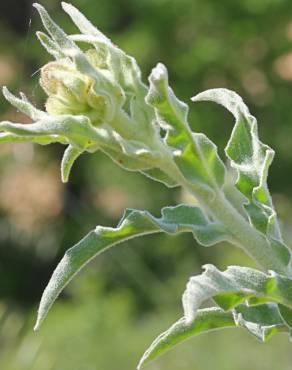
[
  {"x": 233, "y": 286},
  {"x": 262, "y": 321},
  {"x": 134, "y": 223},
  {"x": 251, "y": 159},
  {"x": 195, "y": 155}
]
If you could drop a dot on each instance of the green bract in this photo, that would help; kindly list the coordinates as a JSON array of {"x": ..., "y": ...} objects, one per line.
[{"x": 97, "y": 101}]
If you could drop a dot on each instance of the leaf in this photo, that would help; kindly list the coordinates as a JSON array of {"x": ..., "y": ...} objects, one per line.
[
  {"x": 42, "y": 140},
  {"x": 174, "y": 220},
  {"x": 195, "y": 155},
  {"x": 233, "y": 286},
  {"x": 50, "y": 45},
  {"x": 67, "y": 46},
  {"x": 70, "y": 155},
  {"x": 102, "y": 85},
  {"x": 128, "y": 154},
  {"x": 251, "y": 158},
  {"x": 158, "y": 175},
  {"x": 286, "y": 314},
  {"x": 262, "y": 321},
  {"x": 137, "y": 149},
  {"x": 24, "y": 105},
  {"x": 207, "y": 319},
  {"x": 82, "y": 23},
  {"x": 77, "y": 129}
]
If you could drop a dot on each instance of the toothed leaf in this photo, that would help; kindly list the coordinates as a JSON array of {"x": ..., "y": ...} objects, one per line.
[{"x": 250, "y": 157}]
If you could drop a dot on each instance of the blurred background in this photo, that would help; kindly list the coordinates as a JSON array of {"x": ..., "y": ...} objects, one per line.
[{"x": 109, "y": 314}]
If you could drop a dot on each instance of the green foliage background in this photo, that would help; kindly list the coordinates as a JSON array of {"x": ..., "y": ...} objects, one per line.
[{"x": 110, "y": 314}]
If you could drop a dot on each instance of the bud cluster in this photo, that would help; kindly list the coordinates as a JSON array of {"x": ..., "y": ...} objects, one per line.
[{"x": 96, "y": 99}]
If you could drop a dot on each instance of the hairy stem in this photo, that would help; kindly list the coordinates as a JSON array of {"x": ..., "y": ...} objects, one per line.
[{"x": 243, "y": 234}]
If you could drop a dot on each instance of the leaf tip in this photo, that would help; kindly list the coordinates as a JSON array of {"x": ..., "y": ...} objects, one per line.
[
  {"x": 66, "y": 6},
  {"x": 69, "y": 157},
  {"x": 64, "y": 178},
  {"x": 37, "y": 324},
  {"x": 38, "y": 6},
  {"x": 5, "y": 92},
  {"x": 40, "y": 35},
  {"x": 199, "y": 97},
  {"x": 8, "y": 95},
  {"x": 159, "y": 72},
  {"x": 143, "y": 361}
]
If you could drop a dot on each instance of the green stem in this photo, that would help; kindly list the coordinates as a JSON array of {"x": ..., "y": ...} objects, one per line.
[{"x": 243, "y": 234}]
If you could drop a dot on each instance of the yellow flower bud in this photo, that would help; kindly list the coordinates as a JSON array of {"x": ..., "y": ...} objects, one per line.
[{"x": 71, "y": 92}]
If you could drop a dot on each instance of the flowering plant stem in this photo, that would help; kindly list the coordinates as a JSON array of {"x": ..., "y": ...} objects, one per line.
[{"x": 97, "y": 101}]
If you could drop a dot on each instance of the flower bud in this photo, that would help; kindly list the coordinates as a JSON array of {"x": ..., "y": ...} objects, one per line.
[{"x": 70, "y": 92}]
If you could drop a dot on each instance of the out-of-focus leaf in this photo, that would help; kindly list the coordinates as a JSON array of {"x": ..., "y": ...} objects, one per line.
[
  {"x": 233, "y": 286},
  {"x": 195, "y": 155},
  {"x": 263, "y": 321},
  {"x": 134, "y": 223}
]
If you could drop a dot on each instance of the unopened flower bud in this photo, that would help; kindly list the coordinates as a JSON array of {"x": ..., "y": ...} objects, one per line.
[{"x": 70, "y": 92}]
